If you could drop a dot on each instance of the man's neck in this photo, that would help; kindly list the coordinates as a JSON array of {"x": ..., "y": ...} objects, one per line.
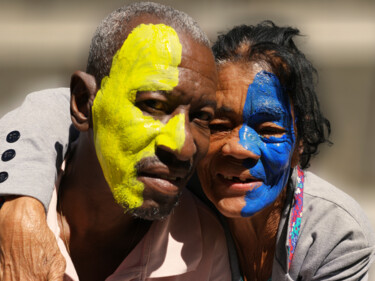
[{"x": 97, "y": 231}]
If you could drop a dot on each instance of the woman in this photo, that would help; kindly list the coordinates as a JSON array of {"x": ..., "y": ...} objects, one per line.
[
  {"x": 286, "y": 224},
  {"x": 267, "y": 126}
]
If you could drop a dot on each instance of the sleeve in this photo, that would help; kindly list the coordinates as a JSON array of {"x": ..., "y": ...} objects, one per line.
[
  {"x": 33, "y": 141},
  {"x": 338, "y": 245},
  {"x": 350, "y": 258}
]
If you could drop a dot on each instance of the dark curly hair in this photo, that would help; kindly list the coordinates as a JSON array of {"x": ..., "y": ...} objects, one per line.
[{"x": 272, "y": 47}]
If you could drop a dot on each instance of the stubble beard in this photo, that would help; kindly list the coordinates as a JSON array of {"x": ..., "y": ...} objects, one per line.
[{"x": 152, "y": 210}]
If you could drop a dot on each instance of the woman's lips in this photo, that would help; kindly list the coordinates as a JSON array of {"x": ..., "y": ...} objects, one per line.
[{"x": 241, "y": 184}]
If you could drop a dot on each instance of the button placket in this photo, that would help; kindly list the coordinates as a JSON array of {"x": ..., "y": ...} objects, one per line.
[
  {"x": 8, "y": 155},
  {"x": 13, "y": 136}
]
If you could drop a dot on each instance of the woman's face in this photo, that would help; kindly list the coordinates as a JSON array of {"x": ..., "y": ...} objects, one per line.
[{"x": 252, "y": 141}]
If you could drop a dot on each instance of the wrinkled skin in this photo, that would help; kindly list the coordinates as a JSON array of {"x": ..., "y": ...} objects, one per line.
[
  {"x": 194, "y": 95},
  {"x": 250, "y": 154},
  {"x": 32, "y": 247}
]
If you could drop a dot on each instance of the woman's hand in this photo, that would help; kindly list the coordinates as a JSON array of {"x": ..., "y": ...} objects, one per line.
[{"x": 28, "y": 248}]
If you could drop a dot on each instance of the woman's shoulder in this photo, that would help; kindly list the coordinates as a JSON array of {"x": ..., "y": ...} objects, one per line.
[
  {"x": 324, "y": 201},
  {"x": 336, "y": 237}
]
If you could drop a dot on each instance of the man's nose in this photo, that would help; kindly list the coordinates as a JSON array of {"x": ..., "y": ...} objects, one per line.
[
  {"x": 240, "y": 147},
  {"x": 181, "y": 134},
  {"x": 189, "y": 148}
]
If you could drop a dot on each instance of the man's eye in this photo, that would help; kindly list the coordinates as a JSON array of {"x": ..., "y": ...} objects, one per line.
[
  {"x": 155, "y": 104},
  {"x": 152, "y": 106}
]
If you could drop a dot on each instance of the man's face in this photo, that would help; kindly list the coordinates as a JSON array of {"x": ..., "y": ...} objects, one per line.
[
  {"x": 252, "y": 141},
  {"x": 151, "y": 117}
]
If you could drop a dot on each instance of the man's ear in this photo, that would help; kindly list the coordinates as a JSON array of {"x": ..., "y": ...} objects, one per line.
[{"x": 83, "y": 89}]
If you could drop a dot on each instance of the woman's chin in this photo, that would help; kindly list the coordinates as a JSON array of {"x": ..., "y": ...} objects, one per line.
[{"x": 231, "y": 207}]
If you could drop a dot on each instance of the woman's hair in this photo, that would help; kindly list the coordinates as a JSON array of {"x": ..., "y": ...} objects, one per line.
[{"x": 273, "y": 48}]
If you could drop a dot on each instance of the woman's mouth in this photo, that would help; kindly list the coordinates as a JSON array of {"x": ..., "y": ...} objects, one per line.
[{"x": 239, "y": 183}]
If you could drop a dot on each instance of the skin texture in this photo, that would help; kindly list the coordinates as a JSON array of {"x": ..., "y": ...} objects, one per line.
[
  {"x": 124, "y": 136},
  {"x": 247, "y": 166},
  {"x": 23, "y": 247},
  {"x": 84, "y": 189},
  {"x": 274, "y": 145},
  {"x": 244, "y": 146}
]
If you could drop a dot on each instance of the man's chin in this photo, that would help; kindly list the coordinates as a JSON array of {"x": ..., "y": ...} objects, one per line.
[{"x": 153, "y": 210}]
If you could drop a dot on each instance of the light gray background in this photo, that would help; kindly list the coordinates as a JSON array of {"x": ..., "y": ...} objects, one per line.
[{"x": 43, "y": 42}]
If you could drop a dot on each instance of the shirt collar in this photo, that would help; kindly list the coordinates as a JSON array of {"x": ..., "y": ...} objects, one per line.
[{"x": 170, "y": 247}]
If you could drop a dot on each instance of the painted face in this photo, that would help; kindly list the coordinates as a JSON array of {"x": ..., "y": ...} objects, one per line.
[
  {"x": 252, "y": 142},
  {"x": 143, "y": 110}
]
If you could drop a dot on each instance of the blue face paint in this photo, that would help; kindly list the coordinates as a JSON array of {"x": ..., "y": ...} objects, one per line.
[{"x": 266, "y": 102}]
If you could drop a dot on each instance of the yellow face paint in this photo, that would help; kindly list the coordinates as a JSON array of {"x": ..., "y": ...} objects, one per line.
[{"x": 147, "y": 61}]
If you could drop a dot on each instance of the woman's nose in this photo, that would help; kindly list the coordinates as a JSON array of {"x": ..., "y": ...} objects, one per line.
[{"x": 242, "y": 144}]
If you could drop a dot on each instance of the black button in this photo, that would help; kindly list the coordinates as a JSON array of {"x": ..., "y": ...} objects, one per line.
[
  {"x": 3, "y": 176},
  {"x": 8, "y": 155},
  {"x": 13, "y": 136}
]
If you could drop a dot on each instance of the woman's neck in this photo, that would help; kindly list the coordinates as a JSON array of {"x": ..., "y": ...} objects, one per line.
[{"x": 255, "y": 239}]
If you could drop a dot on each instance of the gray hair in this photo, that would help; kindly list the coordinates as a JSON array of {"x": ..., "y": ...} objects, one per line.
[{"x": 110, "y": 34}]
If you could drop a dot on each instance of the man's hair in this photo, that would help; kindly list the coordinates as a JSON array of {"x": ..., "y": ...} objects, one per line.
[
  {"x": 110, "y": 34},
  {"x": 273, "y": 47}
]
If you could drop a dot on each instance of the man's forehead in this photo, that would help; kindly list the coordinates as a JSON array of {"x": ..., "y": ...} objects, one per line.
[
  {"x": 147, "y": 60},
  {"x": 189, "y": 44},
  {"x": 143, "y": 19}
]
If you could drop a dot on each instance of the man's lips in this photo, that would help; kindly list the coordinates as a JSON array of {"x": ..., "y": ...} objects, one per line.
[
  {"x": 163, "y": 180},
  {"x": 239, "y": 182},
  {"x": 167, "y": 177}
]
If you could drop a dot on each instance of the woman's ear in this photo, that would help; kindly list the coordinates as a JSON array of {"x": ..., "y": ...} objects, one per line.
[
  {"x": 298, "y": 150},
  {"x": 83, "y": 89}
]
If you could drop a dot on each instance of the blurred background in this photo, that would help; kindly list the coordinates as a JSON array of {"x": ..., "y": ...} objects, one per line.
[{"x": 43, "y": 41}]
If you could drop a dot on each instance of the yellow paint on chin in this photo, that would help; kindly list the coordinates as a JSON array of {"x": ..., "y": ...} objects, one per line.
[{"x": 147, "y": 61}]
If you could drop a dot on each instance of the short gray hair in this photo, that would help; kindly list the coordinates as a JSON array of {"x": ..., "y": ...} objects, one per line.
[{"x": 110, "y": 34}]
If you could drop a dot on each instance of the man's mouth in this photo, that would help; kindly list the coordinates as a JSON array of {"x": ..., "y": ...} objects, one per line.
[
  {"x": 167, "y": 177},
  {"x": 165, "y": 183}
]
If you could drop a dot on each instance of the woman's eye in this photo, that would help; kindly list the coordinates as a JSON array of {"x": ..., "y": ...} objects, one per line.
[
  {"x": 220, "y": 126},
  {"x": 204, "y": 116},
  {"x": 271, "y": 131}
]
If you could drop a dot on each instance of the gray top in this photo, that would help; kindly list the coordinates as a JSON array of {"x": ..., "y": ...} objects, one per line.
[
  {"x": 336, "y": 240},
  {"x": 33, "y": 140}
]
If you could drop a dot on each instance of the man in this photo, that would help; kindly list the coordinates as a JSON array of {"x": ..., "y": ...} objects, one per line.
[{"x": 142, "y": 109}]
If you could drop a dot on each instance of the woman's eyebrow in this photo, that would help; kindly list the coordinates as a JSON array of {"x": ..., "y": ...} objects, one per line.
[
  {"x": 211, "y": 103},
  {"x": 224, "y": 110},
  {"x": 269, "y": 109}
]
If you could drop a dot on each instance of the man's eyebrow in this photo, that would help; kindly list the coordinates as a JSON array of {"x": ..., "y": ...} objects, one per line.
[{"x": 163, "y": 92}]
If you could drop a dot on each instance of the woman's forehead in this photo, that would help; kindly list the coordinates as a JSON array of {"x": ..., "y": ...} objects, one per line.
[{"x": 234, "y": 81}]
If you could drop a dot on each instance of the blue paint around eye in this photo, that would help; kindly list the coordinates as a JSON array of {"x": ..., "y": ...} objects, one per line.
[{"x": 266, "y": 102}]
